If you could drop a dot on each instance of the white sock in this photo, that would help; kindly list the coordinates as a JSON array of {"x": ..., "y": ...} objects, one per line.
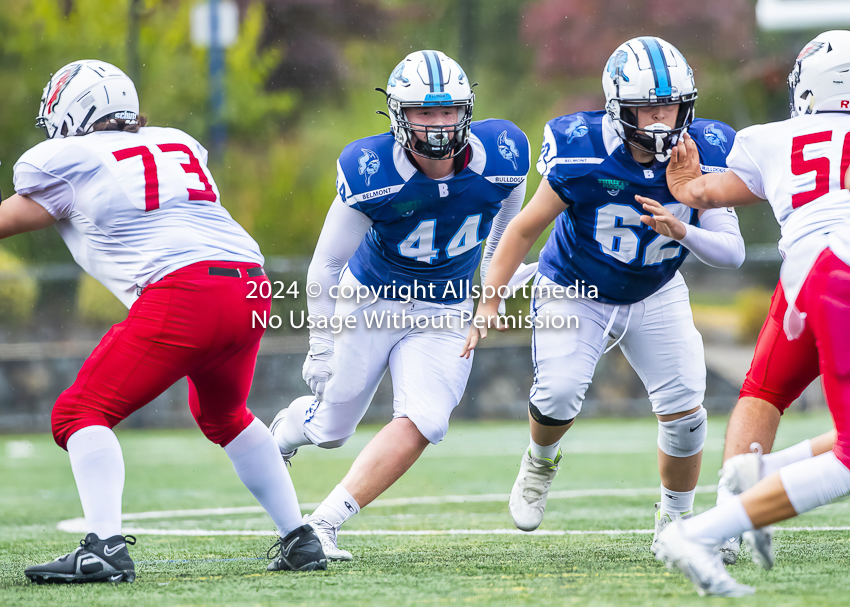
[
  {"x": 729, "y": 519},
  {"x": 98, "y": 466},
  {"x": 290, "y": 434},
  {"x": 544, "y": 452},
  {"x": 338, "y": 507},
  {"x": 723, "y": 492},
  {"x": 676, "y": 502},
  {"x": 773, "y": 462},
  {"x": 815, "y": 481},
  {"x": 256, "y": 459}
]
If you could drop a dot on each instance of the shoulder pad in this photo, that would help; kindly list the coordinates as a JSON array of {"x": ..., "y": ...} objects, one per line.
[
  {"x": 366, "y": 170},
  {"x": 40, "y": 155},
  {"x": 573, "y": 145},
  {"x": 714, "y": 141},
  {"x": 506, "y": 148}
]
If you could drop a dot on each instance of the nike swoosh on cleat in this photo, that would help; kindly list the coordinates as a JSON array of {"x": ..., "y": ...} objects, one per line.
[
  {"x": 288, "y": 548},
  {"x": 109, "y": 552},
  {"x": 698, "y": 425},
  {"x": 116, "y": 578}
]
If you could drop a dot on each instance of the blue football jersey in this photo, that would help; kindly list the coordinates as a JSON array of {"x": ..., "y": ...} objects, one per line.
[
  {"x": 427, "y": 233},
  {"x": 599, "y": 238}
]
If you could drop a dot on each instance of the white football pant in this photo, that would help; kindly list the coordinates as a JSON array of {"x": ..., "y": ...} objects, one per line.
[
  {"x": 657, "y": 336},
  {"x": 428, "y": 374}
]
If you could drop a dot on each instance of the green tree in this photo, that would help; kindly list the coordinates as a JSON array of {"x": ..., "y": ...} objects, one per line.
[{"x": 37, "y": 37}]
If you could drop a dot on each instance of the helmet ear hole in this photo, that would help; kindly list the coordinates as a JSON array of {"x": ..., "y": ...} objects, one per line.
[
  {"x": 629, "y": 115},
  {"x": 64, "y": 129}
]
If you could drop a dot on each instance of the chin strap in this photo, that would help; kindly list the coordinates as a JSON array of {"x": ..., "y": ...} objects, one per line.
[
  {"x": 435, "y": 152},
  {"x": 652, "y": 138}
]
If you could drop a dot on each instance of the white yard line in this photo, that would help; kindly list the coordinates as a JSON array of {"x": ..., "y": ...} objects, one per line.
[
  {"x": 403, "y": 501},
  {"x": 78, "y": 525},
  {"x": 80, "y": 528}
]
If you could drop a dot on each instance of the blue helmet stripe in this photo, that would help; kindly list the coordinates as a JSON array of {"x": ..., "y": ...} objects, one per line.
[
  {"x": 435, "y": 71},
  {"x": 659, "y": 67}
]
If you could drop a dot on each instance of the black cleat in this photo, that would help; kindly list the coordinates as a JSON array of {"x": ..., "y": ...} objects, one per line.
[
  {"x": 300, "y": 550},
  {"x": 96, "y": 560}
]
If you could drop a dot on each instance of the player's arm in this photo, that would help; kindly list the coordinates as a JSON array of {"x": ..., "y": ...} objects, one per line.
[
  {"x": 717, "y": 243},
  {"x": 689, "y": 186},
  {"x": 510, "y": 208},
  {"x": 519, "y": 237},
  {"x": 341, "y": 234},
  {"x": 19, "y": 214}
]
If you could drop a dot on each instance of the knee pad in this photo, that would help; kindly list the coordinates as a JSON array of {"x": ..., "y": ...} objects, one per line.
[
  {"x": 545, "y": 420},
  {"x": 685, "y": 436},
  {"x": 432, "y": 428},
  {"x": 333, "y": 444}
]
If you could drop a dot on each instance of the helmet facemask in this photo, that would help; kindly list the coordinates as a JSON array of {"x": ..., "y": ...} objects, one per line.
[
  {"x": 438, "y": 141},
  {"x": 657, "y": 139}
]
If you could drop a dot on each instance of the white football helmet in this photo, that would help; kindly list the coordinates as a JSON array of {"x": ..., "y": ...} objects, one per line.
[
  {"x": 423, "y": 79},
  {"x": 648, "y": 71},
  {"x": 820, "y": 80},
  {"x": 82, "y": 93}
]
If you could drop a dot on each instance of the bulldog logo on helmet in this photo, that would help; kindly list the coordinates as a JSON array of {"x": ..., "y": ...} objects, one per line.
[
  {"x": 616, "y": 64},
  {"x": 397, "y": 76}
]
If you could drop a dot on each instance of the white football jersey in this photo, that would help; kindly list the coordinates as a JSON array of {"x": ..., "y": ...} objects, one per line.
[
  {"x": 799, "y": 166},
  {"x": 133, "y": 207}
]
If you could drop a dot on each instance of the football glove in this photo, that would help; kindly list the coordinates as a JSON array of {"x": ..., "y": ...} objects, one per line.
[
  {"x": 520, "y": 277},
  {"x": 318, "y": 367}
]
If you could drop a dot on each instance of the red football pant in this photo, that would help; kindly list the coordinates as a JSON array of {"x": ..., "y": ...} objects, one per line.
[
  {"x": 825, "y": 299},
  {"x": 781, "y": 368},
  {"x": 187, "y": 324}
]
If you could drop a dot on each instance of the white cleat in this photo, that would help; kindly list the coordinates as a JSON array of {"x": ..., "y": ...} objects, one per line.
[
  {"x": 529, "y": 493},
  {"x": 661, "y": 522},
  {"x": 741, "y": 473},
  {"x": 760, "y": 543},
  {"x": 327, "y": 535},
  {"x": 277, "y": 431},
  {"x": 729, "y": 550},
  {"x": 699, "y": 561}
]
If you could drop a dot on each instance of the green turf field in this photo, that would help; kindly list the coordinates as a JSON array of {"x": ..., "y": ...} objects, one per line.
[{"x": 179, "y": 470}]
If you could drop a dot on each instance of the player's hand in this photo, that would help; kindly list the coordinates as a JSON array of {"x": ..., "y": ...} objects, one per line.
[
  {"x": 318, "y": 368},
  {"x": 487, "y": 317},
  {"x": 683, "y": 167},
  {"x": 661, "y": 220}
]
